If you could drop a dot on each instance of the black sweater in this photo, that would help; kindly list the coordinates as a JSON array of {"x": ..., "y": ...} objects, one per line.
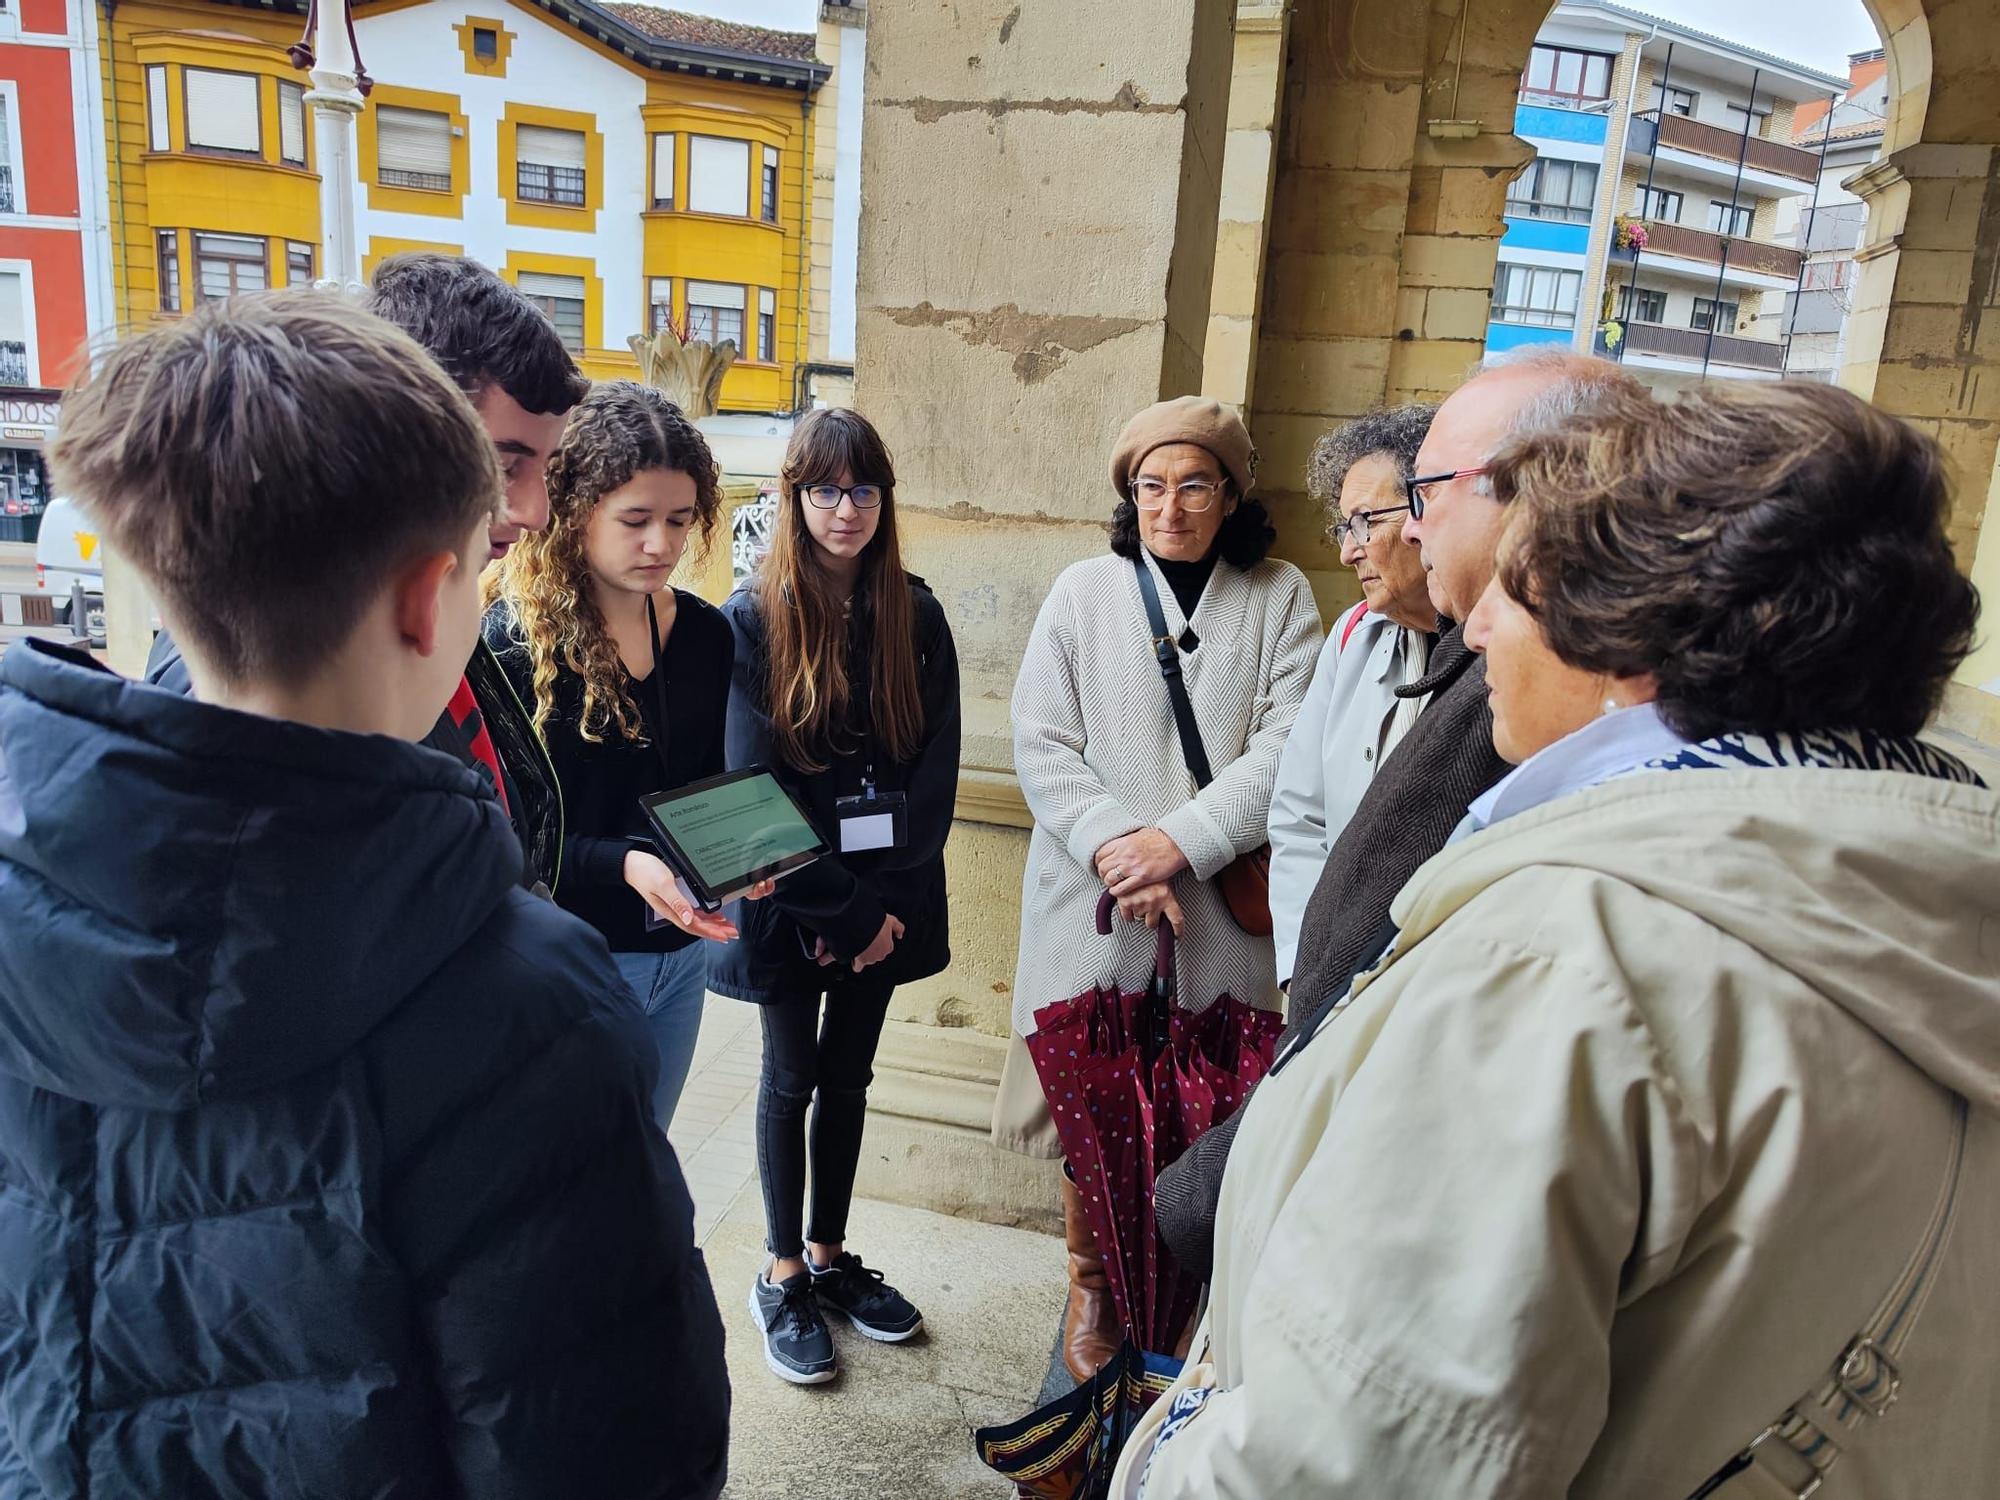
[{"x": 603, "y": 782}]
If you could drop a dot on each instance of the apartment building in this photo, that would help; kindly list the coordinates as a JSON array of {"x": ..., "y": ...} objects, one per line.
[
  {"x": 1646, "y": 228},
  {"x": 623, "y": 164},
  {"x": 1827, "y": 228},
  {"x": 53, "y": 286}
]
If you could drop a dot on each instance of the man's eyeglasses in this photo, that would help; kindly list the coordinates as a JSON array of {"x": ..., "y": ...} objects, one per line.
[
  {"x": 1414, "y": 488},
  {"x": 1355, "y": 528},
  {"x": 829, "y": 496},
  {"x": 1196, "y": 496}
]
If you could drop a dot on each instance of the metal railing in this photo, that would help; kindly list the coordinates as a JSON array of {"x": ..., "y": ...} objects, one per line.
[
  {"x": 13, "y": 363},
  {"x": 6, "y": 187},
  {"x": 430, "y": 182},
  {"x": 1678, "y": 133},
  {"x": 1686, "y": 242},
  {"x": 1694, "y": 344}
]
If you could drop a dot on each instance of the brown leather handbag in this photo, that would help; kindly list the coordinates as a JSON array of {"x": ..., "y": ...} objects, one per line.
[{"x": 1245, "y": 882}]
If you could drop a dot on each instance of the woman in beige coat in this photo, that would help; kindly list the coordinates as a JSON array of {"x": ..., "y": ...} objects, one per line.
[{"x": 1671, "y": 1121}]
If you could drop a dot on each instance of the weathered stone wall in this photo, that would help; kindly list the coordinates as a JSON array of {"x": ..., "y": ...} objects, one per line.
[
  {"x": 1040, "y": 199},
  {"x": 1249, "y": 168}
]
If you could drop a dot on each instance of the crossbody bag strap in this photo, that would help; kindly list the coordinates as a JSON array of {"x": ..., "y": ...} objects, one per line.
[
  {"x": 1799, "y": 1449},
  {"x": 1167, "y": 651}
]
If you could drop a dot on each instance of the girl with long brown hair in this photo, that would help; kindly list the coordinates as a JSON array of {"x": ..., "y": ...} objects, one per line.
[
  {"x": 625, "y": 678},
  {"x": 846, "y": 687}
]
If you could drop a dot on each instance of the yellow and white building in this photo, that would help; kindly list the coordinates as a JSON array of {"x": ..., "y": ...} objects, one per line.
[{"x": 619, "y": 162}]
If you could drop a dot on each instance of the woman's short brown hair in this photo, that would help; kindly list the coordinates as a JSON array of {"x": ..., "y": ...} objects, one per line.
[{"x": 1773, "y": 555}]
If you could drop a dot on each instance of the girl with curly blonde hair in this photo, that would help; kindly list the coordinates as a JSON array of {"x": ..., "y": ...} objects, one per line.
[{"x": 627, "y": 679}]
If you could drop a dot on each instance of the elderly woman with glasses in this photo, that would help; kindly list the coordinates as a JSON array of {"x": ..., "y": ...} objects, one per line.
[
  {"x": 1118, "y": 799},
  {"x": 1353, "y": 716}
]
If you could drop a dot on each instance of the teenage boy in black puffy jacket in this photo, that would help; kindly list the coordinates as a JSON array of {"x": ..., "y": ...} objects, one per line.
[{"x": 326, "y": 1162}]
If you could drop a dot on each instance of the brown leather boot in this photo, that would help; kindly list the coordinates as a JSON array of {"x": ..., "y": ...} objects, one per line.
[{"x": 1090, "y": 1321}]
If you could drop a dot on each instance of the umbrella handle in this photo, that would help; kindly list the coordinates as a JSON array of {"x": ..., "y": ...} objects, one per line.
[{"x": 1163, "y": 946}]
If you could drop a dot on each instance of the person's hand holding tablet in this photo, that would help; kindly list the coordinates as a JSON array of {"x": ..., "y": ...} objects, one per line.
[{"x": 663, "y": 892}]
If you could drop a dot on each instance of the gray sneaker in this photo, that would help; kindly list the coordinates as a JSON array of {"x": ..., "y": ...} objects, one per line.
[{"x": 797, "y": 1346}]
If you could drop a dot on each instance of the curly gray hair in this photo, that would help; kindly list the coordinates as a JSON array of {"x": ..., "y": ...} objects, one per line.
[{"x": 1395, "y": 433}]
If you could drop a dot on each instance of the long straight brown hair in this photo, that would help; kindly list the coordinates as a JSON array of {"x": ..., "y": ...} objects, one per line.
[{"x": 806, "y": 637}]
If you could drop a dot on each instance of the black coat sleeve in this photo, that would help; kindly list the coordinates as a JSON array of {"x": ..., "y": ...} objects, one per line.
[{"x": 932, "y": 782}]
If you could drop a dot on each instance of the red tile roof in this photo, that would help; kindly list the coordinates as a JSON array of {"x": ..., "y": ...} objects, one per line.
[{"x": 708, "y": 31}]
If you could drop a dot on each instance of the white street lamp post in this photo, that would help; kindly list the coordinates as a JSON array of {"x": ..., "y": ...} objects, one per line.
[{"x": 338, "y": 84}]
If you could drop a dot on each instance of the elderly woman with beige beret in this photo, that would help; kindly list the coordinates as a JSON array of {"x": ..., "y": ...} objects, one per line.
[{"x": 1102, "y": 766}]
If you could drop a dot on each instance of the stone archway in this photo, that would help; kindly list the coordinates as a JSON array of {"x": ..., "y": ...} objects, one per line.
[{"x": 1384, "y": 230}]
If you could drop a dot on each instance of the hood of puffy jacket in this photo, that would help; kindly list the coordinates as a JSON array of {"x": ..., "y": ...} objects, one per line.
[
  {"x": 198, "y": 903},
  {"x": 1879, "y": 889}
]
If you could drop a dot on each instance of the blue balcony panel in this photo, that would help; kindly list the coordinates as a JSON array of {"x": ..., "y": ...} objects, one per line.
[
  {"x": 1546, "y": 234},
  {"x": 1504, "y": 336},
  {"x": 1532, "y": 121}
]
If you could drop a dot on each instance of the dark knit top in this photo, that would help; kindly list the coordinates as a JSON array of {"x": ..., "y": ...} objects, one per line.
[{"x": 602, "y": 782}]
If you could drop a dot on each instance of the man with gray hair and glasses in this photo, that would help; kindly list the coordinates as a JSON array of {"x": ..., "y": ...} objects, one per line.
[{"x": 1447, "y": 759}]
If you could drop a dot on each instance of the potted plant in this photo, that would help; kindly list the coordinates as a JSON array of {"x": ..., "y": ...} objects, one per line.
[
  {"x": 1629, "y": 234},
  {"x": 1612, "y": 332}
]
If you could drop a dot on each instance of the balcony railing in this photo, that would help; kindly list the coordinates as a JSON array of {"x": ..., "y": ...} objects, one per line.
[
  {"x": 1693, "y": 344},
  {"x": 1679, "y": 133},
  {"x": 1686, "y": 242},
  {"x": 13, "y": 363},
  {"x": 6, "y": 187}
]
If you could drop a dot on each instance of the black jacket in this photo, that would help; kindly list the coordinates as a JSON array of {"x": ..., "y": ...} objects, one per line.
[
  {"x": 534, "y": 800},
  {"x": 1409, "y": 810},
  {"x": 843, "y": 898},
  {"x": 602, "y": 781},
  {"x": 327, "y": 1166}
]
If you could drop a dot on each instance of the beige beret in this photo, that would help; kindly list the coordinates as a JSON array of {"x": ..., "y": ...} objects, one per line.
[{"x": 1186, "y": 419}]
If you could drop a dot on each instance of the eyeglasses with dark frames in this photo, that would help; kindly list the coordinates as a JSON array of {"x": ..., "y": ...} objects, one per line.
[
  {"x": 1356, "y": 527},
  {"x": 829, "y": 496},
  {"x": 1413, "y": 488}
]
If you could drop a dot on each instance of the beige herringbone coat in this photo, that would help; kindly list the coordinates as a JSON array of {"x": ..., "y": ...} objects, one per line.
[{"x": 1097, "y": 757}]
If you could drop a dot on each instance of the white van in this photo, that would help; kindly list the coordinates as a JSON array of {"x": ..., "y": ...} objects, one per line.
[{"x": 67, "y": 553}]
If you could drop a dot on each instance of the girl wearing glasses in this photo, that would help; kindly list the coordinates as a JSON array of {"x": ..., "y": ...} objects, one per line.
[
  {"x": 846, "y": 688},
  {"x": 1105, "y": 771},
  {"x": 626, "y": 678},
  {"x": 1352, "y": 716}
]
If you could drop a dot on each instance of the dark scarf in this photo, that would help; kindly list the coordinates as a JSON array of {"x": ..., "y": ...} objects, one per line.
[{"x": 1416, "y": 799}]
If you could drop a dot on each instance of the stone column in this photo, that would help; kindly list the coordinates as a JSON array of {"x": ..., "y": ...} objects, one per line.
[
  {"x": 1249, "y": 167},
  {"x": 1040, "y": 182},
  {"x": 1632, "y": 93},
  {"x": 1923, "y": 341}
]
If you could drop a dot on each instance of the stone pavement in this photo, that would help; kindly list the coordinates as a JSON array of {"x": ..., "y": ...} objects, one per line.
[{"x": 897, "y": 1423}]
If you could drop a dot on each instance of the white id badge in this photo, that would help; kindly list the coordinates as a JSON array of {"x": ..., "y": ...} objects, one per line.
[
  {"x": 873, "y": 820},
  {"x": 875, "y": 831}
]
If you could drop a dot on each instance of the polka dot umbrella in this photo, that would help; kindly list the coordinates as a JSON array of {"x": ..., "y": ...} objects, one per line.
[{"x": 1132, "y": 1081}]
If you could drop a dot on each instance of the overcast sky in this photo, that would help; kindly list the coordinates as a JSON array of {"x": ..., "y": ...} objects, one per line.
[{"x": 1818, "y": 33}]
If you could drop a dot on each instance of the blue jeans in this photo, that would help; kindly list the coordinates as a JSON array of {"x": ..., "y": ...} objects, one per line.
[{"x": 669, "y": 987}]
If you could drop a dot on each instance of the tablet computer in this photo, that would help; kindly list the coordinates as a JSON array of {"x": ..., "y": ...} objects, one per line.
[{"x": 725, "y": 834}]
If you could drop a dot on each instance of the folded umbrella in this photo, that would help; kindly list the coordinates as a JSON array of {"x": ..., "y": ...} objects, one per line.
[{"x": 1132, "y": 1081}]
